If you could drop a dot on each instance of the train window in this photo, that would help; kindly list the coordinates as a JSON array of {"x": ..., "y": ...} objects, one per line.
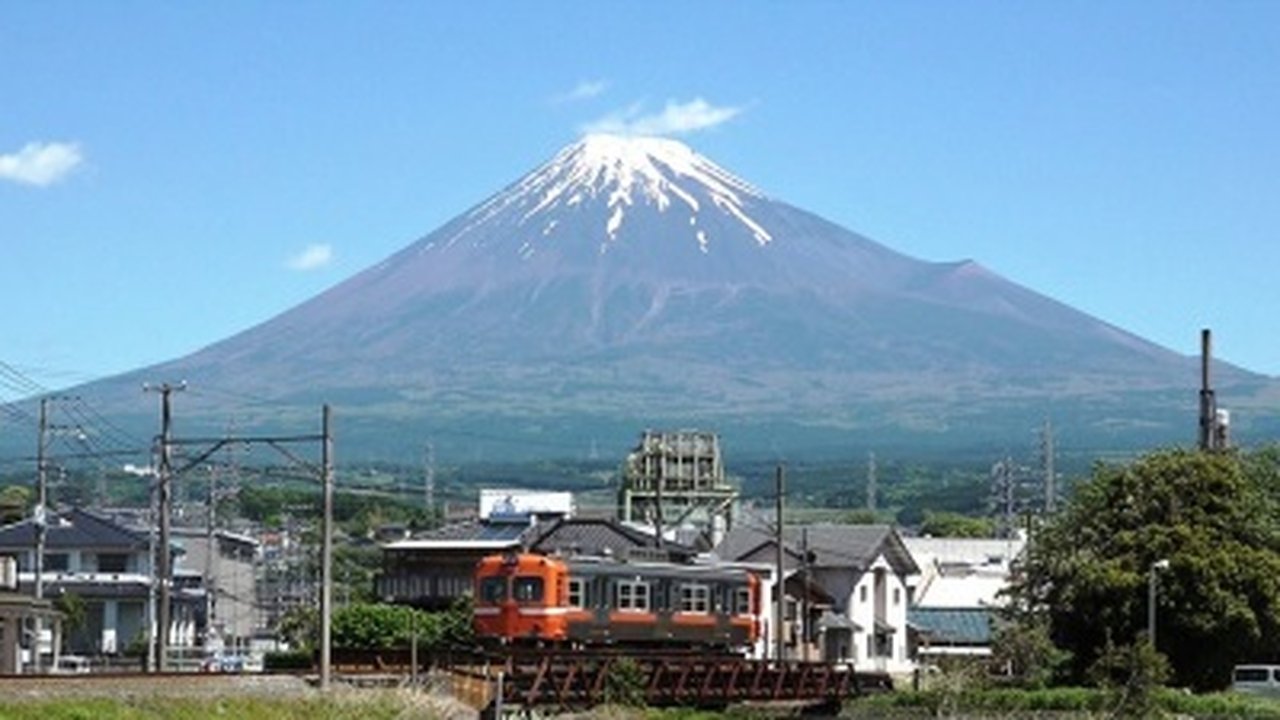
[
  {"x": 527, "y": 589},
  {"x": 742, "y": 601},
  {"x": 695, "y": 598},
  {"x": 493, "y": 590},
  {"x": 577, "y": 593},
  {"x": 633, "y": 595}
]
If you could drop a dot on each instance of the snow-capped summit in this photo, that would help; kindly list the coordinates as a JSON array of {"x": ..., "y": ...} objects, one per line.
[{"x": 621, "y": 174}]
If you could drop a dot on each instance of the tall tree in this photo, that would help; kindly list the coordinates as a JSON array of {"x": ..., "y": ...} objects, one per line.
[{"x": 1211, "y": 516}]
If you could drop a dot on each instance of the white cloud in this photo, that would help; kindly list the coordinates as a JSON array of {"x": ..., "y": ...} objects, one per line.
[
  {"x": 312, "y": 257},
  {"x": 675, "y": 119},
  {"x": 40, "y": 164},
  {"x": 584, "y": 90}
]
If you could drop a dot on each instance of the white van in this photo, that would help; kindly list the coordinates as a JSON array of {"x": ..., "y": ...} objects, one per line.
[{"x": 1256, "y": 679}]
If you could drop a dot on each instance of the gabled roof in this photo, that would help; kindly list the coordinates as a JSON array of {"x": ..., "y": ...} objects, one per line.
[
  {"x": 600, "y": 537},
  {"x": 952, "y": 626},
  {"x": 73, "y": 529},
  {"x": 831, "y": 546}
]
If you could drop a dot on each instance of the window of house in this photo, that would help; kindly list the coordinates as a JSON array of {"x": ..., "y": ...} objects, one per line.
[
  {"x": 493, "y": 590},
  {"x": 695, "y": 598},
  {"x": 897, "y": 596},
  {"x": 527, "y": 589},
  {"x": 113, "y": 563},
  {"x": 57, "y": 562},
  {"x": 862, "y": 593},
  {"x": 742, "y": 601},
  {"x": 633, "y": 595},
  {"x": 577, "y": 593}
]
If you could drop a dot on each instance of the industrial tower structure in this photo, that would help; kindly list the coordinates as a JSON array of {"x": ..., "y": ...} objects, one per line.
[{"x": 675, "y": 480}]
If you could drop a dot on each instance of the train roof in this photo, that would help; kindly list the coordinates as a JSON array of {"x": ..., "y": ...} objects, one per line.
[{"x": 615, "y": 568}]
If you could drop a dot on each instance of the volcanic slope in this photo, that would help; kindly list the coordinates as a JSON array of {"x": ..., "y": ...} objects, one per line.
[{"x": 632, "y": 282}]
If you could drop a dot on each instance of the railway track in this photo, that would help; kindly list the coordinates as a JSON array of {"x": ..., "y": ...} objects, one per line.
[{"x": 498, "y": 681}]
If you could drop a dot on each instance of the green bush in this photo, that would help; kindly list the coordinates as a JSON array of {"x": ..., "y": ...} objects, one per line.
[{"x": 287, "y": 660}]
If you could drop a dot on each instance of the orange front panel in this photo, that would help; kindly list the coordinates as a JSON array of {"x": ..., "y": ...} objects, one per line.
[{"x": 527, "y": 601}]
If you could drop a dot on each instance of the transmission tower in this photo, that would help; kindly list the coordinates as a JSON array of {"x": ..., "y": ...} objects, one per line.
[{"x": 871, "y": 481}]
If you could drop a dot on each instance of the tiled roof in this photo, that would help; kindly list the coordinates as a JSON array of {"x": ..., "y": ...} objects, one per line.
[
  {"x": 953, "y": 626},
  {"x": 72, "y": 530},
  {"x": 833, "y": 546},
  {"x": 601, "y": 536}
]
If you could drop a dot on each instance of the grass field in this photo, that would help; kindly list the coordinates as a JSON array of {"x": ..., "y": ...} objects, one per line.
[{"x": 342, "y": 705}]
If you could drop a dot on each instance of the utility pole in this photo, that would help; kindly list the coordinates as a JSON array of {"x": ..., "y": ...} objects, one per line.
[
  {"x": 804, "y": 599},
  {"x": 326, "y": 569},
  {"x": 163, "y": 478},
  {"x": 779, "y": 483},
  {"x": 40, "y": 519},
  {"x": 429, "y": 481},
  {"x": 210, "y": 554}
]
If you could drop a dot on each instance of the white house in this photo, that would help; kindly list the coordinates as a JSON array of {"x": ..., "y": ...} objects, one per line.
[
  {"x": 957, "y": 592},
  {"x": 845, "y": 591}
]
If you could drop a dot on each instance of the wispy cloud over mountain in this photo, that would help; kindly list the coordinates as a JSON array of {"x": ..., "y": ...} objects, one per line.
[
  {"x": 40, "y": 164},
  {"x": 584, "y": 90},
  {"x": 674, "y": 119},
  {"x": 311, "y": 258}
]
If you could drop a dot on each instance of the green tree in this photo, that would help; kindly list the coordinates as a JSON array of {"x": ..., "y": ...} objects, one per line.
[
  {"x": 380, "y": 625},
  {"x": 14, "y": 503},
  {"x": 1024, "y": 652},
  {"x": 300, "y": 627},
  {"x": 951, "y": 524},
  {"x": 1210, "y": 515}
]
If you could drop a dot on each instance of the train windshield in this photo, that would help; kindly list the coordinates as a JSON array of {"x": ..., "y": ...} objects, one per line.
[
  {"x": 527, "y": 589},
  {"x": 493, "y": 590}
]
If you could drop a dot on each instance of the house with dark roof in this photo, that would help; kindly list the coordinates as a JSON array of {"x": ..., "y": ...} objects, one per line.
[
  {"x": 106, "y": 564},
  {"x": 844, "y": 591}
]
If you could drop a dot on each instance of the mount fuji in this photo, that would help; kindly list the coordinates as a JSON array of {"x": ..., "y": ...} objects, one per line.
[{"x": 631, "y": 282}]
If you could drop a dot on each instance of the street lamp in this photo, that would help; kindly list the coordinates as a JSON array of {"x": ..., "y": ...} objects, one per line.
[{"x": 1156, "y": 567}]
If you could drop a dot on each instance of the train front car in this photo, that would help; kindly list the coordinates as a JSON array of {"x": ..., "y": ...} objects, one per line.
[{"x": 520, "y": 598}]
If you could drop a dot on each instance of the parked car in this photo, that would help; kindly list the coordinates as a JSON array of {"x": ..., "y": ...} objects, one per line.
[
  {"x": 1256, "y": 679},
  {"x": 70, "y": 665}
]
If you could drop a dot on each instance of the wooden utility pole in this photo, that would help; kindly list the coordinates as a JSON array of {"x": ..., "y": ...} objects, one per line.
[
  {"x": 326, "y": 577},
  {"x": 164, "y": 476},
  {"x": 41, "y": 519},
  {"x": 779, "y": 609},
  {"x": 804, "y": 599}
]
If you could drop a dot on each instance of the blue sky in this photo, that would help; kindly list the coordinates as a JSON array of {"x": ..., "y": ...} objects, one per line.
[{"x": 172, "y": 173}]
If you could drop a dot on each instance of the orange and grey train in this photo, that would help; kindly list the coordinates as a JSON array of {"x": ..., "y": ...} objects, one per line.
[{"x": 534, "y": 599}]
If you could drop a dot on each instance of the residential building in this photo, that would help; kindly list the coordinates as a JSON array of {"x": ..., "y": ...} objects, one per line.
[
  {"x": 104, "y": 563},
  {"x": 844, "y": 591},
  {"x": 957, "y": 594},
  {"x": 227, "y": 583}
]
